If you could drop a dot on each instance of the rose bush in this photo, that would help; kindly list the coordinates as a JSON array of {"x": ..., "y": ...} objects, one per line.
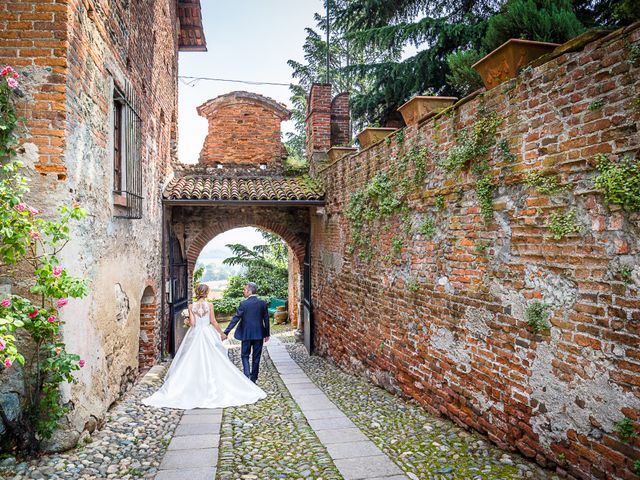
[{"x": 33, "y": 245}]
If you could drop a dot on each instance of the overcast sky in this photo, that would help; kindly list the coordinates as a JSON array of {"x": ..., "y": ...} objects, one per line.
[{"x": 246, "y": 40}]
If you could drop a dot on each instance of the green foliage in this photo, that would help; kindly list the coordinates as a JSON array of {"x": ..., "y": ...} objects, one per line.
[
  {"x": 461, "y": 77},
  {"x": 266, "y": 265},
  {"x": 540, "y": 20},
  {"x": 35, "y": 243},
  {"x": 624, "y": 429},
  {"x": 400, "y": 136},
  {"x": 636, "y": 467},
  {"x": 484, "y": 191},
  {"x": 428, "y": 227},
  {"x": 227, "y": 305},
  {"x": 505, "y": 151},
  {"x": 563, "y": 224},
  {"x": 596, "y": 105},
  {"x": 413, "y": 286},
  {"x": 619, "y": 181},
  {"x": 481, "y": 247},
  {"x": 537, "y": 316},
  {"x": 546, "y": 185},
  {"x": 626, "y": 273},
  {"x": 472, "y": 143},
  {"x": 198, "y": 273},
  {"x": 396, "y": 244},
  {"x": 296, "y": 163},
  {"x": 439, "y": 202}
]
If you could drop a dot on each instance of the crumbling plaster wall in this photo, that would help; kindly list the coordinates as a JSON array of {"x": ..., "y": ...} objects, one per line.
[
  {"x": 68, "y": 150},
  {"x": 443, "y": 319}
]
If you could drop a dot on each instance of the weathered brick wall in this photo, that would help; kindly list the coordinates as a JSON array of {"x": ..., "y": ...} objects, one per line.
[
  {"x": 70, "y": 55},
  {"x": 442, "y": 319},
  {"x": 244, "y": 129},
  {"x": 148, "y": 348}
]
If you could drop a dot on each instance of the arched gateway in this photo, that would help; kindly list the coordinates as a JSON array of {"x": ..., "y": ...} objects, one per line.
[{"x": 239, "y": 181}]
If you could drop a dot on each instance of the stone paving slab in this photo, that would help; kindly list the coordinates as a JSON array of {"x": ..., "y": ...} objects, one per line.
[
  {"x": 176, "y": 459},
  {"x": 197, "y": 429},
  {"x": 194, "y": 442},
  {"x": 197, "y": 419},
  {"x": 352, "y": 452},
  {"x": 367, "y": 467},
  {"x": 193, "y": 451},
  {"x": 352, "y": 449},
  {"x": 207, "y": 473}
]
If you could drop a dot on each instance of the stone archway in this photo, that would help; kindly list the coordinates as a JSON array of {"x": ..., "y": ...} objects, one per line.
[{"x": 148, "y": 344}]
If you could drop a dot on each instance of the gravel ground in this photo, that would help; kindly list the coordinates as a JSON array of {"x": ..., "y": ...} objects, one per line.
[
  {"x": 271, "y": 438},
  {"x": 424, "y": 446},
  {"x": 130, "y": 446}
]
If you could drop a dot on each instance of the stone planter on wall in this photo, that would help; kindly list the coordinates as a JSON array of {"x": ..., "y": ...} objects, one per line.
[
  {"x": 508, "y": 59},
  {"x": 336, "y": 153},
  {"x": 371, "y": 135},
  {"x": 420, "y": 106}
]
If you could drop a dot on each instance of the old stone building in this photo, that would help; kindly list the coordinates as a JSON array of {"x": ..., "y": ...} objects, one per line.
[
  {"x": 414, "y": 289},
  {"x": 99, "y": 79}
]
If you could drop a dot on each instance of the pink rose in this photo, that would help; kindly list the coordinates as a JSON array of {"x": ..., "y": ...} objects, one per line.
[
  {"x": 5, "y": 303},
  {"x": 34, "y": 234},
  {"x": 15, "y": 75},
  {"x": 6, "y": 70},
  {"x": 34, "y": 314},
  {"x": 51, "y": 319},
  {"x": 57, "y": 271},
  {"x": 7, "y": 362},
  {"x": 33, "y": 211},
  {"x": 62, "y": 302},
  {"x": 81, "y": 363},
  {"x": 21, "y": 207},
  {"x": 2, "y": 344},
  {"x": 12, "y": 82}
]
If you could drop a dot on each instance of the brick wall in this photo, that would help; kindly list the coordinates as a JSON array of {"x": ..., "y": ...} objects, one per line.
[
  {"x": 148, "y": 348},
  {"x": 340, "y": 119},
  {"x": 318, "y": 121},
  {"x": 442, "y": 318},
  {"x": 244, "y": 129}
]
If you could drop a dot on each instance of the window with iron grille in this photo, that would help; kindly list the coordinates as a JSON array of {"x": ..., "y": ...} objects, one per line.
[{"x": 127, "y": 165}]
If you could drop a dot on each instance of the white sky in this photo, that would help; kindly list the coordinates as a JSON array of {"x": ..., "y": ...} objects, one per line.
[{"x": 247, "y": 40}]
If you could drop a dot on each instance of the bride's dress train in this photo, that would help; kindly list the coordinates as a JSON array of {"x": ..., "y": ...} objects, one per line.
[{"x": 201, "y": 374}]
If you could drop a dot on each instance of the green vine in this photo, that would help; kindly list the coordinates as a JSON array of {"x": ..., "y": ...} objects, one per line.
[
  {"x": 537, "y": 316},
  {"x": 619, "y": 181},
  {"x": 546, "y": 185},
  {"x": 439, "y": 202},
  {"x": 396, "y": 244},
  {"x": 563, "y": 224},
  {"x": 624, "y": 429},
  {"x": 484, "y": 191},
  {"x": 626, "y": 273},
  {"x": 596, "y": 105},
  {"x": 428, "y": 228},
  {"x": 636, "y": 467},
  {"x": 413, "y": 285},
  {"x": 506, "y": 152},
  {"x": 472, "y": 143}
]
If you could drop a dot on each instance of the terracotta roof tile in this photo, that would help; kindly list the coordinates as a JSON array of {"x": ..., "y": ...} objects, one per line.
[
  {"x": 284, "y": 189},
  {"x": 191, "y": 35}
]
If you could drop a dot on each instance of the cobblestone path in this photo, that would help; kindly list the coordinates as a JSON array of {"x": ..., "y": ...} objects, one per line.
[
  {"x": 285, "y": 436},
  {"x": 424, "y": 446},
  {"x": 130, "y": 446}
]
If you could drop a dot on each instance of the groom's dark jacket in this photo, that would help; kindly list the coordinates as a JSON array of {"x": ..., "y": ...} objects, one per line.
[{"x": 253, "y": 318}]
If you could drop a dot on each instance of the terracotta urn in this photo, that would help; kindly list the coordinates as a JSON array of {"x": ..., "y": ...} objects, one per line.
[
  {"x": 420, "y": 106},
  {"x": 508, "y": 59},
  {"x": 371, "y": 135},
  {"x": 281, "y": 315},
  {"x": 336, "y": 153}
]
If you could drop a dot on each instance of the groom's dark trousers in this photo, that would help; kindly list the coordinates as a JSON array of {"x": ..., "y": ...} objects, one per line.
[{"x": 252, "y": 319}]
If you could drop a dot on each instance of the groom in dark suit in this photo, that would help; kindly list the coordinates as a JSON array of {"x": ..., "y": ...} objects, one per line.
[{"x": 252, "y": 331}]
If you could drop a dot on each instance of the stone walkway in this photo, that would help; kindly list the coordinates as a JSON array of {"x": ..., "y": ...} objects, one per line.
[
  {"x": 317, "y": 422},
  {"x": 193, "y": 451},
  {"x": 353, "y": 453}
]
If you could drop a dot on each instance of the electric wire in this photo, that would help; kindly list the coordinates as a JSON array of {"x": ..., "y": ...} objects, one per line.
[{"x": 192, "y": 81}]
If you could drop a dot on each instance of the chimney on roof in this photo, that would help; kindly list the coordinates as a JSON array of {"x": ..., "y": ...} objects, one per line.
[{"x": 327, "y": 123}]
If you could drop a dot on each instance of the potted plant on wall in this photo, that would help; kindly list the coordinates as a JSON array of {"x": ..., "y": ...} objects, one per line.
[
  {"x": 421, "y": 106},
  {"x": 336, "y": 152},
  {"x": 371, "y": 135},
  {"x": 508, "y": 59}
]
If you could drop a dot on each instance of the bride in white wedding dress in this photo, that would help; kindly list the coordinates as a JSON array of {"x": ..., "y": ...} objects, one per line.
[{"x": 201, "y": 374}]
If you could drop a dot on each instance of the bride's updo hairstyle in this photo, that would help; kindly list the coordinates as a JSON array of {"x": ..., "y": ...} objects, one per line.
[{"x": 202, "y": 291}]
